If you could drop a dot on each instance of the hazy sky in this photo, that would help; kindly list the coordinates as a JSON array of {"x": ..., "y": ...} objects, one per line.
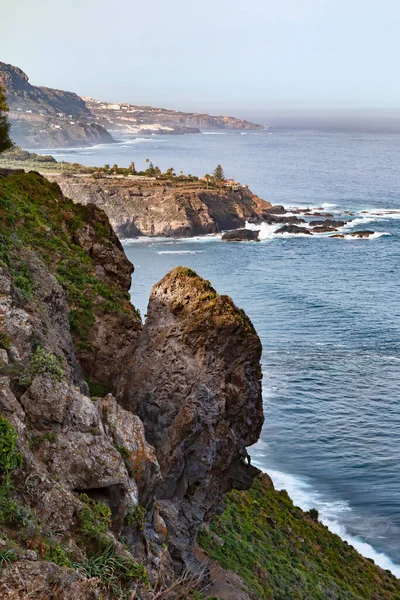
[{"x": 215, "y": 55}]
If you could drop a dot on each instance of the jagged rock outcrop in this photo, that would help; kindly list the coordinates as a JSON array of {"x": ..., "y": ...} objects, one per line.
[
  {"x": 156, "y": 208},
  {"x": 195, "y": 381},
  {"x": 124, "y": 481},
  {"x": 46, "y": 117}
]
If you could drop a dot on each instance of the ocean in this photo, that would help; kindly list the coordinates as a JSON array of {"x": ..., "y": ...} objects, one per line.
[{"x": 327, "y": 311}]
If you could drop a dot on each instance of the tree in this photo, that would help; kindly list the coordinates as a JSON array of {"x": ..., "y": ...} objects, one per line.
[
  {"x": 207, "y": 178},
  {"x": 150, "y": 171},
  {"x": 5, "y": 140},
  {"x": 132, "y": 168},
  {"x": 219, "y": 173},
  {"x": 170, "y": 173},
  {"x": 115, "y": 169}
]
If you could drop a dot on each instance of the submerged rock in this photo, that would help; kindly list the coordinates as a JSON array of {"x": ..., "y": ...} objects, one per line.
[{"x": 241, "y": 235}]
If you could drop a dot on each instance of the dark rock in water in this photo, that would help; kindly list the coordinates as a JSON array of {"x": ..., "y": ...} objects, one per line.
[
  {"x": 293, "y": 229},
  {"x": 276, "y": 210},
  {"x": 323, "y": 229},
  {"x": 338, "y": 235},
  {"x": 272, "y": 219},
  {"x": 362, "y": 234},
  {"x": 300, "y": 211},
  {"x": 241, "y": 235},
  {"x": 318, "y": 214},
  {"x": 328, "y": 223}
]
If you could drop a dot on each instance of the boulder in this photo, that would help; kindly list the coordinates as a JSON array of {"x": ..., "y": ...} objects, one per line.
[
  {"x": 241, "y": 235},
  {"x": 293, "y": 229}
]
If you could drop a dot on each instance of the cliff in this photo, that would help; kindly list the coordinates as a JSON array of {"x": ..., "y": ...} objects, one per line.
[
  {"x": 45, "y": 117},
  {"x": 91, "y": 401},
  {"x": 136, "y": 206},
  {"x": 133, "y": 118},
  {"x": 120, "y": 442}
]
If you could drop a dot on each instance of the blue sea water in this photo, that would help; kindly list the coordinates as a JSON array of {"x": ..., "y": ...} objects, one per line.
[{"x": 327, "y": 312}]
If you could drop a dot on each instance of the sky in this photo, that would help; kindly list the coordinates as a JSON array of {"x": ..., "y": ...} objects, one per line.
[{"x": 220, "y": 56}]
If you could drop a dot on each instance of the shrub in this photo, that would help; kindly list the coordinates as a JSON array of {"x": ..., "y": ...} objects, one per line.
[
  {"x": 6, "y": 557},
  {"x": 135, "y": 516},
  {"x": 5, "y": 343},
  {"x": 115, "y": 572},
  {"x": 10, "y": 458},
  {"x": 42, "y": 362},
  {"x": 23, "y": 281},
  {"x": 95, "y": 519},
  {"x": 59, "y": 555}
]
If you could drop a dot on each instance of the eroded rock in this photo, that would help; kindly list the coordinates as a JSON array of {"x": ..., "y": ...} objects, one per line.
[{"x": 195, "y": 382}]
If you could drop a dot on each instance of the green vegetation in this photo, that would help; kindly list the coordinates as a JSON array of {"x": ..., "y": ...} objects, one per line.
[
  {"x": 135, "y": 516},
  {"x": 96, "y": 390},
  {"x": 36, "y": 216},
  {"x": 282, "y": 553},
  {"x": 36, "y": 440},
  {"x": 58, "y": 554},
  {"x": 5, "y": 343},
  {"x": 10, "y": 457},
  {"x": 115, "y": 572},
  {"x": 5, "y": 140},
  {"x": 11, "y": 511},
  {"x": 7, "y": 556},
  {"x": 219, "y": 176},
  {"x": 95, "y": 520},
  {"x": 42, "y": 362}
]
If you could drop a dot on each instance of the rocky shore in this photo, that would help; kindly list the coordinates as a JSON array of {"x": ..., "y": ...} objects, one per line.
[
  {"x": 122, "y": 441},
  {"x": 140, "y": 206}
]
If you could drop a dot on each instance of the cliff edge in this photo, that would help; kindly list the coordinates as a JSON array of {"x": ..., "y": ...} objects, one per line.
[{"x": 140, "y": 206}]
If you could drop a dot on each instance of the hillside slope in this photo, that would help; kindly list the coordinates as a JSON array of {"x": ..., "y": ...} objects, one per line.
[
  {"x": 45, "y": 117},
  {"x": 136, "y": 119}
]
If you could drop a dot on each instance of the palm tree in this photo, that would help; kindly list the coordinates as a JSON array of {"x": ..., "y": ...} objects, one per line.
[
  {"x": 207, "y": 177},
  {"x": 132, "y": 168},
  {"x": 115, "y": 169}
]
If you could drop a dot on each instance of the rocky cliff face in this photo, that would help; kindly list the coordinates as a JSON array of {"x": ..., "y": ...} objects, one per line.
[
  {"x": 89, "y": 505},
  {"x": 156, "y": 208},
  {"x": 201, "y": 410},
  {"x": 45, "y": 117}
]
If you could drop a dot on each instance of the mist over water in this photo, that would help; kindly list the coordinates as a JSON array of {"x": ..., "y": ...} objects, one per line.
[{"x": 326, "y": 310}]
